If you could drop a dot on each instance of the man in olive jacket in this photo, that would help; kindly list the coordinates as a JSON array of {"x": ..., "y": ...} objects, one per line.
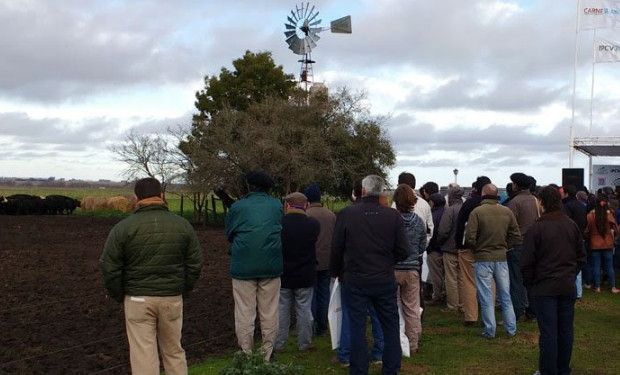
[
  {"x": 150, "y": 260},
  {"x": 491, "y": 230},
  {"x": 253, "y": 227}
]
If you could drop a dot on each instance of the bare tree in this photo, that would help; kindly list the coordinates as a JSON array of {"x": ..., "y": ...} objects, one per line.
[{"x": 150, "y": 155}]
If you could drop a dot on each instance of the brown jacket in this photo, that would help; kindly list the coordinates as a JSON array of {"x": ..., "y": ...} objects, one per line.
[
  {"x": 525, "y": 208},
  {"x": 597, "y": 241},
  {"x": 327, "y": 219}
]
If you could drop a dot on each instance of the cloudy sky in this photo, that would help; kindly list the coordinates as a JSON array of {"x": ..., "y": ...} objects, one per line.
[{"x": 480, "y": 85}]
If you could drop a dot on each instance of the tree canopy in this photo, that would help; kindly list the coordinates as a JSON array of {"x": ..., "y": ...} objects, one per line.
[{"x": 255, "y": 117}]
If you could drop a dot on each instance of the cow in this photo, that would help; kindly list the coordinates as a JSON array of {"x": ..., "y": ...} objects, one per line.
[
  {"x": 24, "y": 204},
  {"x": 60, "y": 204}
]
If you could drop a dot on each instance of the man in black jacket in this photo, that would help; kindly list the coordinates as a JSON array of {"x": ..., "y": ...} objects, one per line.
[
  {"x": 553, "y": 254},
  {"x": 368, "y": 241},
  {"x": 299, "y": 235}
]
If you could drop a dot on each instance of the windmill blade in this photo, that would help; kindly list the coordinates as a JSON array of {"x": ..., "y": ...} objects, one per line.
[
  {"x": 315, "y": 23},
  {"x": 310, "y": 13},
  {"x": 315, "y": 37},
  {"x": 298, "y": 12},
  {"x": 310, "y": 43},
  {"x": 314, "y": 16},
  {"x": 294, "y": 16},
  {"x": 290, "y": 33},
  {"x": 291, "y": 21},
  {"x": 290, "y": 39},
  {"x": 297, "y": 46},
  {"x": 289, "y": 26},
  {"x": 341, "y": 25},
  {"x": 306, "y": 10}
]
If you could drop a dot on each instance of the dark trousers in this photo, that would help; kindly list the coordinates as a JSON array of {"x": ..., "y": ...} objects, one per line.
[
  {"x": 518, "y": 294},
  {"x": 587, "y": 275},
  {"x": 320, "y": 302},
  {"x": 383, "y": 298},
  {"x": 555, "y": 316}
]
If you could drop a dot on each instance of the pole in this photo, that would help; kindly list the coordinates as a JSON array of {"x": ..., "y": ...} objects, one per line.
[
  {"x": 592, "y": 81},
  {"x": 590, "y": 174},
  {"x": 571, "y": 152}
]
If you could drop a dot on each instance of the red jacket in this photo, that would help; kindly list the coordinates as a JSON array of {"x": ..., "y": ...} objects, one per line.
[{"x": 598, "y": 241}]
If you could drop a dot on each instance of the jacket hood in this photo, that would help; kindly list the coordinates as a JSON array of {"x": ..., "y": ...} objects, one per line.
[{"x": 438, "y": 200}]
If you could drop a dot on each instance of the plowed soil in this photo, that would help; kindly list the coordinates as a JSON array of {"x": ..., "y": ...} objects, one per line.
[{"x": 55, "y": 317}]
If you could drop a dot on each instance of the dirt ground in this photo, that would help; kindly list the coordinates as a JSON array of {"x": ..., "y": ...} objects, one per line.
[{"x": 55, "y": 317}]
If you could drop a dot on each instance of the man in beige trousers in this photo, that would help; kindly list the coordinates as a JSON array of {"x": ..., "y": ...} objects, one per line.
[
  {"x": 253, "y": 227},
  {"x": 150, "y": 260}
]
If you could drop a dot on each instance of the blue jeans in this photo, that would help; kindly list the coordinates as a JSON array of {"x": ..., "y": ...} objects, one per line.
[
  {"x": 578, "y": 285},
  {"x": 555, "y": 316},
  {"x": 344, "y": 350},
  {"x": 383, "y": 298},
  {"x": 486, "y": 272},
  {"x": 302, "y": 298},
  {"x": 320, "y": 302},
  {"x": 518, "y": 294},
  {"x": 607, "y": 257}
]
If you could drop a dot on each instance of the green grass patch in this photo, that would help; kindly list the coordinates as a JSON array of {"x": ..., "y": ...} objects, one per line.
[{"x": 447, "y": 347}]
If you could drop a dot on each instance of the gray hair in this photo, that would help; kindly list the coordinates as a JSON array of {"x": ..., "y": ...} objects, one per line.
[{"x": 373, "y": 185}]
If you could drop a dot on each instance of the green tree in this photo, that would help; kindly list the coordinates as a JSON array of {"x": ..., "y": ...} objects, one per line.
[{"x": 255, "y": 118}]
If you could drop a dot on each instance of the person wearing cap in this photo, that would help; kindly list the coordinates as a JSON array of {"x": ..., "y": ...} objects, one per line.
[
  {"x": 327, "y": 220},
  {"x": 253, "y": 226},
  {"x": 526, "y": 210},
  {"x": 299, "y": 236},
  {"x": 445, "y": 239},
  {"x": 491, "y": 230}
]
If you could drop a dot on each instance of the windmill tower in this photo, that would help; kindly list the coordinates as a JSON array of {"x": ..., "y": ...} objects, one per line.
[{"x": 302, "y": 34}]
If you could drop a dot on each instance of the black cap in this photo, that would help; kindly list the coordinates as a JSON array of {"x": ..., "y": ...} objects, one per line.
[{"x": 259, "y": 180}]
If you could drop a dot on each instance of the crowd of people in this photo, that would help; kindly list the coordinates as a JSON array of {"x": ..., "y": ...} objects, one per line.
[{"x": 529, "y": 253}]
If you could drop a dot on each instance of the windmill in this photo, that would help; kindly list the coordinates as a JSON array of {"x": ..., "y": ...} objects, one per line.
[{"x": 302, "y": 34}]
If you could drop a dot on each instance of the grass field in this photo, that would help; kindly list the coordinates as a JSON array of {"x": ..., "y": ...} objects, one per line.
[
  {"x": 447, "y": 347},
  {"x": 173, "y": 198}
]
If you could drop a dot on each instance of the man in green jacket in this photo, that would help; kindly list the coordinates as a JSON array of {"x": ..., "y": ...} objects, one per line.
[
  {"x": 491, "y": 230},
  {"x": 150, "y": 260},
  {"x": 253, "y": 226}
]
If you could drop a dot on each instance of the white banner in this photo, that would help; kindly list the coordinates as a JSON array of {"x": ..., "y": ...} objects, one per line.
[
  {"x": 605, "y": 175},
  {"x": 606, "y": 51},
  {"x": 599, "y": 14}
]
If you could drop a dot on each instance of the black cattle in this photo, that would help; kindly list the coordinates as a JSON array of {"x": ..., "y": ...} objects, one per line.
[
  {"x": 226, "y": 199},
  {"x": 60, "y": 205},
  {"x": 24, "y": 204}
]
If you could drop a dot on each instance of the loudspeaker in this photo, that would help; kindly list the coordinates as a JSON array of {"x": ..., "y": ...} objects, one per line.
[{"x": 572, "y": 176}]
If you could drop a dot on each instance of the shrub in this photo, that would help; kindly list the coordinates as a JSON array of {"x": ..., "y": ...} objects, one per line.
[{"x": 255, "y": 364}]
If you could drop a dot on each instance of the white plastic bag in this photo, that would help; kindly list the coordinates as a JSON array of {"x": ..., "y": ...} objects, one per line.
[
  {"x": 334, "y": 314},
  {"x": 404, "y": 340}
]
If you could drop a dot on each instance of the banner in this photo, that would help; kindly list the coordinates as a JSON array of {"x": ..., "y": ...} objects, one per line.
[
  {"x": 599, "y": 14},
  {"x": 606, "y": 51},
  {"x": 605, "y": 175}
]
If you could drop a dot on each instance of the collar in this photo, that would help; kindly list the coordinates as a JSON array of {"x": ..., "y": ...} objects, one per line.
[
  {"x": 524, "y": 192},
  {"x": 489, "y": 199},
  {"x": 370, "y": 199},
  {"x": 151, "y": 201},
  {"x": 297, "y": 211}
]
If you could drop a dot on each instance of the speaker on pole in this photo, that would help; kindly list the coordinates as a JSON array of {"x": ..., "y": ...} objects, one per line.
[{"x": 573, "y": 176}]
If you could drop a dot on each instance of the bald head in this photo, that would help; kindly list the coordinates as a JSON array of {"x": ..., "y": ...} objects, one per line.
[{"x": 489, "y": 189}]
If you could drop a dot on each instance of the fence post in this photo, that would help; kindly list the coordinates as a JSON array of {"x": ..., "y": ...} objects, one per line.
[
  {"x": 206, "y": 208},
  {"x": 181, "y": 204}
]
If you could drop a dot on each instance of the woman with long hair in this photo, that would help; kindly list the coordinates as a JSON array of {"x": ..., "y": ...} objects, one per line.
[
  {"x": 601, "y": 230},
  {"x": 408, "y": 271}
]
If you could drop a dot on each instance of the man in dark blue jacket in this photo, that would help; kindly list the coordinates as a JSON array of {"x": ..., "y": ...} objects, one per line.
[
  {"x": 299, "y": 235},
  {"x": 368, "y": 241}
]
